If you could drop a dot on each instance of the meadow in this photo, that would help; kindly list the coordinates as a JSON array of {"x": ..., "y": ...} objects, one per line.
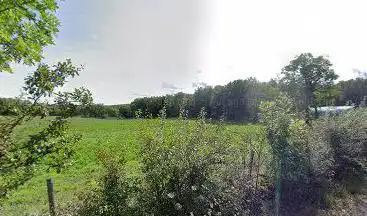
[{"x": 119, "y": 138}]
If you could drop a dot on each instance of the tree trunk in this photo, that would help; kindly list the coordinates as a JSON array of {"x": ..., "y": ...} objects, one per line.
[{"x": 316, "y": 113}]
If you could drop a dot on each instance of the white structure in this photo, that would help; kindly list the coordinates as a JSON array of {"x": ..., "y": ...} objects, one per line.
[{"x": 327, "y": 110}]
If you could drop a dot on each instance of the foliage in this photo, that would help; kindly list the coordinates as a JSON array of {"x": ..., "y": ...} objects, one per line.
[
  {"x": 339, "y": 150},
  {"x": 237, "y": 101},
  {"x": 197, "y": 168},
  {"x": 328, "y": 96},
  {"x": 112, "y": 111},
  {"x": 96, "y": 111},
  {"x": 125, "y": 111},
  {"x": 148, "y": 105},
  {"x": 26, "y": 27},
  {"x": 175, "y": 103},
  {"x": 112, "y": 195},
  {"x": 51, "y": 144},
  {"x": 191, "y": 168},
  {"x": 304, "y": 76},
  {"x": 10, "y": 106},
  {"x": 225, "y": 102},
  {"x": 315, "y": 161},
  {"x": 288, "y": 137},
  {"x": 182, "y": 171},
  {"x": 119, "y": 138},
  {"x": 352, "y": 92},
  {"x": 202, "y": 98}
]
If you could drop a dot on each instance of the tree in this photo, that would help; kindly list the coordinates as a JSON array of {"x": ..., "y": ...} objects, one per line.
[
  {"x": 124, "y": 111},
  {"x": 9, "y": 106},
  {"x": 304, "y": 75},
  {"x": 97, "y": 111},
  {"x": 112, "y": 111},
  {"x": 217, "y": 103},
  {"x": 202, "y": 99},
  {"x": 148, "y": 105},
  {"x": 26, "y": 27},
  {"x": 236, "y": 106},
  {"x": 327, "y": 96},
  {"x": 178, "y": 102},
  {"x": 352, "y": 91},
  {"x": 53, "y": 145}
]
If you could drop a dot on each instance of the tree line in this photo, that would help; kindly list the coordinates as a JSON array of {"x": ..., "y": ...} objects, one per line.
[
  {"x": 237, "y": 101},
  {"x": 308, "y": 80}
]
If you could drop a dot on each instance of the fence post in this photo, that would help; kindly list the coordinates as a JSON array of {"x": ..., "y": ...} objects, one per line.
[
  {"x": 51, "y": 197},
  {"x": 258, "y": 168},
  {"x": 251, "y": 164}
]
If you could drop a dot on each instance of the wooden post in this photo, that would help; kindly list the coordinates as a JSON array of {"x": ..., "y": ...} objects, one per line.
[
  {"x": 258, "y": 169},
  {"x": 51, "y": 197},
  {"x": 251, "y": 164}
]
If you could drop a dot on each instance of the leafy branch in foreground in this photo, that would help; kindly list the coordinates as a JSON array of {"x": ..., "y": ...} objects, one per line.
[
  {"x": 26, "y": 27},
  {"x": 52, "y": 145}
]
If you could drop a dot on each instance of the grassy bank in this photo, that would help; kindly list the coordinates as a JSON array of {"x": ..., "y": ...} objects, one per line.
[{"x": 119, "y": 137}]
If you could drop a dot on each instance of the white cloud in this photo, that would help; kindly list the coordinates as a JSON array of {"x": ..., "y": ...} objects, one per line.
[
  {"x": 130, "y": 48},
  {"x": 257, "y": 38}
]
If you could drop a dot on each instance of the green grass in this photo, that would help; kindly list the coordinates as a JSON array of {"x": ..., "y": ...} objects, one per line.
[{"x": 118, "y": 137}]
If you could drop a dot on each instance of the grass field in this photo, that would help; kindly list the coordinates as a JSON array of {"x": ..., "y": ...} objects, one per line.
[{"x": 118, "y": 137}]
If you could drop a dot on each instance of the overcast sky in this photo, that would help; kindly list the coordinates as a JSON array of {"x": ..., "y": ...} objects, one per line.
[{"x": 134, "y": 48}]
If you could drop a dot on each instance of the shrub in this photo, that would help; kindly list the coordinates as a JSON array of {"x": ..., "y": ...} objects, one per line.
[
  {"x": 296, "y": 186},
  {"x": 112, "y": 197},
  {"x": 187, "y": 168},
  {"x": 183, "y": 169},
  {"x": 112, "y": 111},
  {"x": 339, "y": 148},
  {"x": 315, "y": 162},
  {"x": 124, "y": 111}
]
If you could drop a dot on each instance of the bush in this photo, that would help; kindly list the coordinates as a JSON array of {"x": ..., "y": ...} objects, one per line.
[
  {"x": 314, "y": 163},
  {"x": 124, "y": 111},
  {"x": 183, "y": 171},
  {"x": 339, "y": 148},
  {"x": 112, "y": 197},
  {"x": 296, "y": 185},
  {"x": 187, "y": 168},
  {"x": 112, "y": 111}
]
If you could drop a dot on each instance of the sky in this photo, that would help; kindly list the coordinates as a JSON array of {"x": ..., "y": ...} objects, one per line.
[{"x": 136, "y": 48}]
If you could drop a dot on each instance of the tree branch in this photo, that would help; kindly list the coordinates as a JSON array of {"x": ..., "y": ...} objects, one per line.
[{"x": 15, "y": 5}]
